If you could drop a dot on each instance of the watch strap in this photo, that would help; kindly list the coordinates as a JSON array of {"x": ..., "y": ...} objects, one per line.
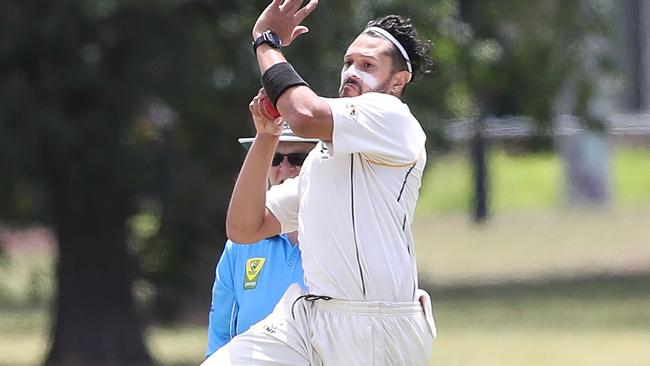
[{"x": 266, "y": 37}]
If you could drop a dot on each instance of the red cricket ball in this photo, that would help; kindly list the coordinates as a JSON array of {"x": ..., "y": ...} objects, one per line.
[{"x": 269, "y": 109}]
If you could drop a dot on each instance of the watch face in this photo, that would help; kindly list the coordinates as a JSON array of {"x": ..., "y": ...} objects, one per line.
[
  {"x": 272, "y": 38},
  {"x": 268, "y": 37}
]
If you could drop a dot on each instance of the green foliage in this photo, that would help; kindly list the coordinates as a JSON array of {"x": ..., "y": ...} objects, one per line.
[
  {"x": 97, "y": 97},
  {"x": 524, "y": 53},
  {"x": 505, "y": 58}
]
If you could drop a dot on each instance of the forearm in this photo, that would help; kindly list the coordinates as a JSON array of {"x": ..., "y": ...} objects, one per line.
[
  {"x": 220, "y": 326},
  {"x": 247, "y": 208},
  {"x": 223, "y": 309},
  {"x": 268, "y": 56},
  {"x": 307, "y": 114}
]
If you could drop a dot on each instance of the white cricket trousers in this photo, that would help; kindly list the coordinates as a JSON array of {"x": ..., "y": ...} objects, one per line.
[{"x": 303, "y": 332}]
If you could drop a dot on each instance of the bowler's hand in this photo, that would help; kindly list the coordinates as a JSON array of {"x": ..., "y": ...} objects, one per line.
[
  {"x": 263, "y": 124},
  {"x": 283, "y": 17}
]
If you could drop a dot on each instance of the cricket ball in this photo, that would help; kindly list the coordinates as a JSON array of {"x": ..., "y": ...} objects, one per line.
[{"x": 269, "y": 109}]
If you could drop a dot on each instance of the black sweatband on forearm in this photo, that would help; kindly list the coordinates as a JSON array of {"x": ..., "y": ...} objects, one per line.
[{"x": 278, "y": 78}]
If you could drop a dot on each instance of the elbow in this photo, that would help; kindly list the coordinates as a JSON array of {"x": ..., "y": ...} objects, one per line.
[
  {"x": 302, "y": 119},
  {"x": 235, "y": 238},
  {"x": 239, "y": 236},
  {"x": 301, "y": 127},
  {"x": 231, "y": 231},
  {"x": 238, "y": 233}
]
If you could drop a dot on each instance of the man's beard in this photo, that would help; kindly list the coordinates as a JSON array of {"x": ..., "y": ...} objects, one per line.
[
  {"x": 354, "y": 84},
  {"x": 381, "y": 88}
]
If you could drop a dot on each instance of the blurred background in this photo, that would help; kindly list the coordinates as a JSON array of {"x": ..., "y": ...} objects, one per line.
[{"x": 118, "y": 154}]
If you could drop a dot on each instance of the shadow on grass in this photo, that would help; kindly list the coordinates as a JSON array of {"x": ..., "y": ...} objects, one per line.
[
  {"x": 604, "y": 302},
  {"x": 581, "y": 287}
]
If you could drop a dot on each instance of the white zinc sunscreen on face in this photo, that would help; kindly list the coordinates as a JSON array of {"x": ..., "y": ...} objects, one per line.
[{"x": 365, "y": 77}]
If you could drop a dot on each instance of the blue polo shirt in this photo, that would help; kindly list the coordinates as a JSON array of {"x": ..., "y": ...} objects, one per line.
[{"x": 250, "y": 279}]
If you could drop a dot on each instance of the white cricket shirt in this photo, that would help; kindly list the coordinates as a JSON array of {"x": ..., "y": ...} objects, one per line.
[{"x": 354, "y": 199}]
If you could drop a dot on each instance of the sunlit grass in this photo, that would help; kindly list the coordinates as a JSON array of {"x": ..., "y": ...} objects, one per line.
[
  {"x": 531, "y": 245},
  {"x": 526, "y": 181},
  {"x": 592, "y": 322},
  {"x": 23, "y": 333},
  {"x": 584, "y": 322},
  {"x": 181, "y": 345},
  {"x": 515, "y": 182},
  {"x": 632, "y": 176},
  {"x": 445, "y": 187},
  {"x": 531, "y": 347}
]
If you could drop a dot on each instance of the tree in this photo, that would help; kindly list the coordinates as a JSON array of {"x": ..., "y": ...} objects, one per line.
[
  {"x": 92, "y": 96},
  {"x": 118, "y": 126}
]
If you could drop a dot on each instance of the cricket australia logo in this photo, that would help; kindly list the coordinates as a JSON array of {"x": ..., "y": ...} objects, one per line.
[{"x": 253, "y": 269}]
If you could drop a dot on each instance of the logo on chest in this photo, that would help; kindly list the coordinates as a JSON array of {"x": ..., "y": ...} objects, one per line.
[
  {"x": 253, "y": 269},
  {"x": 352, "y": 110}
]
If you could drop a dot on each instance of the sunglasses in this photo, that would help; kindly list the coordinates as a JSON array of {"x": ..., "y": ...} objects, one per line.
[{"x": 294, "y": 158}]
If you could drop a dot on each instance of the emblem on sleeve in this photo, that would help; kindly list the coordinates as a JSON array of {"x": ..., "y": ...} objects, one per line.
[
  {"x": 253, "y": 269},
  {"x": 324, "y": 151}
]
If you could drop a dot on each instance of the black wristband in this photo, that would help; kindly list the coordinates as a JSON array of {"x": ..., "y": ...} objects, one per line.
[{"x": 278, "y": 78}]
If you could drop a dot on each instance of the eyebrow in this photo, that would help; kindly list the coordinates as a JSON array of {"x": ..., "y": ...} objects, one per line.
[{"x": 348, "y": 55}]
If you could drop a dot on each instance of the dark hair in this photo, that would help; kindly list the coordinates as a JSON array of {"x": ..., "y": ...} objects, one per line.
[{"x": 418, "y": 49}]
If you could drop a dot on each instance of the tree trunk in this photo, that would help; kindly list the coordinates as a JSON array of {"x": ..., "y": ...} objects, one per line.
[
  {"x": 95, "y": 321},
  {"x": 479, "y": 173}
]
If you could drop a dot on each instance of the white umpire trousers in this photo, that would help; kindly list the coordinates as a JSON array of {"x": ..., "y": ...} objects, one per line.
[{"x": 334, "y": 333}]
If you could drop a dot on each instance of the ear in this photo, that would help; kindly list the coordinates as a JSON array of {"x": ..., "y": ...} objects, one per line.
[{"x": 400, "y": 79}]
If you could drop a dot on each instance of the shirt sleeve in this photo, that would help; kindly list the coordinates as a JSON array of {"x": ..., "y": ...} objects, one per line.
[
  {"x": 377, "y": 125},
  {"x": 283, "y": 202},
  {"x": 224, "y": 309}
]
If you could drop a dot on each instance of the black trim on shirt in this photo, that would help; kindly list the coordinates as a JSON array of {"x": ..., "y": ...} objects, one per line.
[
  {"x": 354, "y": 228},
  {"x": 408, "y": 243},
  {"x": 404, "y": 183}
]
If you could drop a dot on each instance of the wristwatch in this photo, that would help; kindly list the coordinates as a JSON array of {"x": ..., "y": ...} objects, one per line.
[{"x": 268, "y": 37}]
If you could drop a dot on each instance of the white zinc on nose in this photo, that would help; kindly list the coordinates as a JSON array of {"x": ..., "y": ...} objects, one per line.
[{"x": 366, "y": 77}]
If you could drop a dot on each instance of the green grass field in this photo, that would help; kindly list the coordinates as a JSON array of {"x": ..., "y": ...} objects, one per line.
[
  {"x": 533, "y": 245},
  {"x": 603, "y": 321},
  {"x": 540, "y": 288},
  {"x": 537, "y": 285},
  {"x": 526, "y": 182}
]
